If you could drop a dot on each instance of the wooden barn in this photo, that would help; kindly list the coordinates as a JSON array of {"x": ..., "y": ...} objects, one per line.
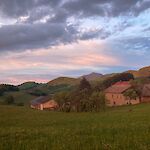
[
  {"x": 115, "y": 94},
  {"x": 44, "y": 102}
]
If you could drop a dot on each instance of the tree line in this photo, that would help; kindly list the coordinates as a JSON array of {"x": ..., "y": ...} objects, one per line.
[{"x": 87, "y": 98}]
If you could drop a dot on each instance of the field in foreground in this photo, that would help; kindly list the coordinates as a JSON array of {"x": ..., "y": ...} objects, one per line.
[{"x": 116, "y": 129}]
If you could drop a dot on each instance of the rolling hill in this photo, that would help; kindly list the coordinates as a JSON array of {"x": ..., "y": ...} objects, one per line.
[
  {"x": 74, "y": 81},
  {"x": 143, "y": 72},
  {"x": 64, "y": 81},
  {"x": 28, "y": 85}
]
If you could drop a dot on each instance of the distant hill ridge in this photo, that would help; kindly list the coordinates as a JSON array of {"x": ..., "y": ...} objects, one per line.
[
  {"x": 92, "y": 76},
  {"x": 143, "y": 72},
  {"x": 63, "y": 80},
  {"x": 74, "y": 81}
]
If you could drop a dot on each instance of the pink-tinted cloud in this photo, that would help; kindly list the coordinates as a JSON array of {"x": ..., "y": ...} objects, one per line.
[{"x": 24, "y": 66}]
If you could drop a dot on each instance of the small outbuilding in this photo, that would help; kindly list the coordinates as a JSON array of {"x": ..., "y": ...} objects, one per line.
[{"x": 44, "y": 102}]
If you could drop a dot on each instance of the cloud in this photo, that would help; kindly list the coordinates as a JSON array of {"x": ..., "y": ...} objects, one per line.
[
  {"x": 16, "y": 8},
  {"x": 27, "y": 36},
  {"x": 109, "y": 8},
  {"x": 44, "y": 23}
]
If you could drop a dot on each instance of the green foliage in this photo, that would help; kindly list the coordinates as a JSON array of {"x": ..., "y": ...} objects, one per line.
[
  {"x": 98, "y": 101},
  {"x": 131, "y": 93},
  {"x": 84, "y": 84},
  {"x": 7, "y": 88},
  {"x": 61, "y": 98},
  {"x": 138, "y": 84},
  {"x": 28, "y": 85},
  {"x": 81, "y": 99}
]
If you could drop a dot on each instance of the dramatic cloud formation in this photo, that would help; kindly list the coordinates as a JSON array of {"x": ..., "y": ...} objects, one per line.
[{"x": 42, "y": 39}]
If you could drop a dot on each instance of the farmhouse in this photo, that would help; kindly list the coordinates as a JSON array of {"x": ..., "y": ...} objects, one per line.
[
  {"x": 146, "y": 93},
  {"x": 115, "y": 94},
  {"x": 44, "y": 102}
]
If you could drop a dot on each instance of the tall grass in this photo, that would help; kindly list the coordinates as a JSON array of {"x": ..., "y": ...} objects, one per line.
[{"x": 116, "y": 129}]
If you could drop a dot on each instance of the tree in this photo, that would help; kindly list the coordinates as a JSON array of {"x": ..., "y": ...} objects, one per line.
[
  {"x": 138, "y": 84},
  {"x": 84, "y": 84},
  {"x": 131, "y": 93},
  {"x": 63, "y": 99},
  {"x": 83, "y": 100},
  {"x": 98, "y": 101}
]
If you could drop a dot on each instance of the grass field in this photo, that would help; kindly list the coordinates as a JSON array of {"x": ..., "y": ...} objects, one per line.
[{"x": 116, "y": 129}]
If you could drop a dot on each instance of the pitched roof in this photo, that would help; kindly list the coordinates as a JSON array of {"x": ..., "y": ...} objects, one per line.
[
  {"x": 119, "y": 87},
  {"x": 146, "y": 90},
  {"x": 40, "y": 100}
]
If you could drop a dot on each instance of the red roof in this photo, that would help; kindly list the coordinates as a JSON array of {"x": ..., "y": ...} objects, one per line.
[{"x": 119, "y": 87}]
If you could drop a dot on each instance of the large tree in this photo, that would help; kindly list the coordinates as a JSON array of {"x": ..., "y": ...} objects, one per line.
[{"x": 84, "y": 84}]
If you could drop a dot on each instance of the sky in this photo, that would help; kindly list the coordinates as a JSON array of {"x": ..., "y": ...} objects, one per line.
[{"x": 44, "y": 39}]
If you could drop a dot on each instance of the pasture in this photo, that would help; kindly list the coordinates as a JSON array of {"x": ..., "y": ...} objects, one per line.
[{"x": 120, "y": 128}]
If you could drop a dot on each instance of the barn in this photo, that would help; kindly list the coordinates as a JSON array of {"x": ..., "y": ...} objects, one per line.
[
  {"x": 44, "y": 102},
  {"x": 115, "y": 94}
]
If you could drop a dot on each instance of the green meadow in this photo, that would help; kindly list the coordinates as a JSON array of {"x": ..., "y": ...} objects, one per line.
[{"x": 120, "y": 128}]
